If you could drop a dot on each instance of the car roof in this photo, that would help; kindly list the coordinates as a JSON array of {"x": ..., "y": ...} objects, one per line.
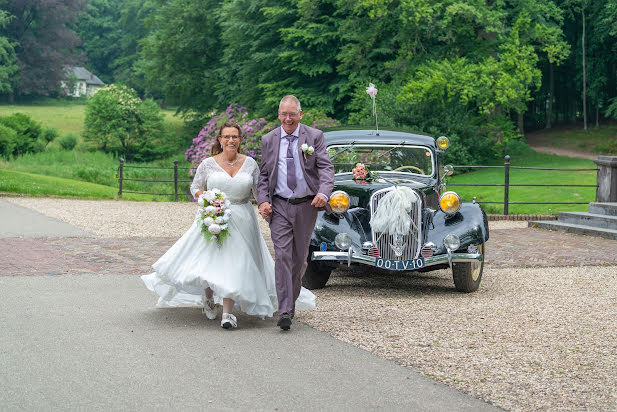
[{"x": 371, "y": 136}]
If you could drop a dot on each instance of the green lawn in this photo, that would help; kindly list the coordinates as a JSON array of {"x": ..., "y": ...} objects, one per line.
[
  {"x": 66, "y": 119},
  {"x": 601, "y": 140},
  {"x": 527, "y": 193},
  {"x": 100, "y": 169},
  {"x": 69, "y": 118},
  {"x": 38, "y": 185}
]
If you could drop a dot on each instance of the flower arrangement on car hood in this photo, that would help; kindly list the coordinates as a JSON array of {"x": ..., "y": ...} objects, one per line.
[
  {"x": 213, "y": 215},
  {"x": 362, "y": 173}
]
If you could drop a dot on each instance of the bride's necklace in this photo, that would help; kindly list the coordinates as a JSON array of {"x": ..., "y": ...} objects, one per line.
[{"x": 230, "y": 163}]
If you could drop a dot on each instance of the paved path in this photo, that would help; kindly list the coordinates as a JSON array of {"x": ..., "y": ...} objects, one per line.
[
  {"x": 16, "y": 221},
  {"x": 79, "y": 340}
]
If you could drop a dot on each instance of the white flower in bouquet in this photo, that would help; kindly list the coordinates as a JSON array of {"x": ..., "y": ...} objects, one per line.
[
  {"x": 200, "y": 200},
  {"x": 209, "y": 196},
  {"x": 214, "y": 215}
]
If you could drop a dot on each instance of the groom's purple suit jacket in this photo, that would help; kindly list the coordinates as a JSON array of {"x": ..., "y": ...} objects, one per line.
[{"x": 317, "y": 168}]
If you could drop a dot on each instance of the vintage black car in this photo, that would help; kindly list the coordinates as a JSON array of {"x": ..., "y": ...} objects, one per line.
[{"x": 394, "y": 215}]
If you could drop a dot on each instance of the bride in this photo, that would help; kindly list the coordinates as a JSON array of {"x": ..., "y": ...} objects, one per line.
[{"x": 240, "y": 272}]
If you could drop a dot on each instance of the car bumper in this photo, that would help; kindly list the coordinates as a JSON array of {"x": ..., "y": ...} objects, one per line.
[{"x": 353, "y": 257}]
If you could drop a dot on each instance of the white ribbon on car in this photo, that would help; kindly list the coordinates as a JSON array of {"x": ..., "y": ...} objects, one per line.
[{"x": 392, "y": 214}]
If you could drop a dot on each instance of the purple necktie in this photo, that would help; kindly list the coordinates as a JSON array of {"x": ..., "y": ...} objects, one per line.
[{"x": 291, "y": 168}]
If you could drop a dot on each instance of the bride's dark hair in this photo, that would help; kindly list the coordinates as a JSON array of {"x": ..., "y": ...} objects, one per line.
[{"x": 216, "y": 147}]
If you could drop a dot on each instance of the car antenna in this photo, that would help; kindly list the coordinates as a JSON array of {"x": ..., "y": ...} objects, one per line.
[{"x": 371, "y": 90}]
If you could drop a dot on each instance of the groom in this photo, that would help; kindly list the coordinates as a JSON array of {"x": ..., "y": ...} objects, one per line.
[{"x": 294, "y": 182}]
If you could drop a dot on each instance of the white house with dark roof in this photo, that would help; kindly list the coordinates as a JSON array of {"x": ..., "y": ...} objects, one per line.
[{"x": 84, "y": 83}]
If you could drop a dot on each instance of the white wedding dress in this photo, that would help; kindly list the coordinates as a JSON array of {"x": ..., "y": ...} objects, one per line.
[{"x": 241, "y": 268}]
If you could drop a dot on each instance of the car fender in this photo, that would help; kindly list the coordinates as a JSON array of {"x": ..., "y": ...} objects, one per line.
[{"x": 469, "y": 224}]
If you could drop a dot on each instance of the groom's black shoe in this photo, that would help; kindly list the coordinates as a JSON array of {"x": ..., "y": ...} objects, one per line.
[{"x": 284, "y": 321}]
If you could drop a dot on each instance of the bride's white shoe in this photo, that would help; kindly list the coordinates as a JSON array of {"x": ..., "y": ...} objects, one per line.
[
  {"x": 228, "y": 321},
  {"x": 209, "y": 308}
]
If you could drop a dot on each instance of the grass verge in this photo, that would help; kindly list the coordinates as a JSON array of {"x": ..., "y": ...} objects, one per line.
[
  {"x": 530, "y": 158},
  {"x": 38, "y": 185},
  {"x": 101, "y": 169}
]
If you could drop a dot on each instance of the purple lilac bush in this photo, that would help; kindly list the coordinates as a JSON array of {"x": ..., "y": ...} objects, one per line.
[{"x": 252, "y": 131}]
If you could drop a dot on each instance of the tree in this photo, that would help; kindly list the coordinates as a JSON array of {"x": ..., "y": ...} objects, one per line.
[
  {"x": 118, "y": 122},
  {"x": 8, "y": 60},
  {"x": 100, "y": 33},
  {"x": 182, "y": 52},
  {"x": 44, "y": 42}
]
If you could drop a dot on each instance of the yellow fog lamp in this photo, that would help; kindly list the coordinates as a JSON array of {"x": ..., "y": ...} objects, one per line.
[
  {"x": 339, "y": 201},
  {"x": 443, "y": 142},
  {"x": 450, "y": 203}
]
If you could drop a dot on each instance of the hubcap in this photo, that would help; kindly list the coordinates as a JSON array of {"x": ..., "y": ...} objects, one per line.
[{"x": 476, "y": 267}]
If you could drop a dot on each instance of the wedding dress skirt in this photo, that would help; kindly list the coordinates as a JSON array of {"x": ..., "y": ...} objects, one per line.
[{"x": 241, "y": 268}]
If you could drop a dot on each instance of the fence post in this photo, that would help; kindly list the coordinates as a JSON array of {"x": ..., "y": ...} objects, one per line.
[
  {"x": 506, "y": 188},
  {"x": 175, "y": 180},
  {"x": 606, "y": 179},
  {"x": 120, "y": 173}
]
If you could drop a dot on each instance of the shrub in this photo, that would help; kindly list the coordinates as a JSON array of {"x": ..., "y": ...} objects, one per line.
[
  {"x": 49, "y": 134},
  {"x": 118, "y": 122},
  {"x": 252, "y": 130},
  {"x": 68, "y": 141},
  {"x": 8, "y": 138},
  {"x": 319, "y": 120},
  {"x": 27, "y": 131}
]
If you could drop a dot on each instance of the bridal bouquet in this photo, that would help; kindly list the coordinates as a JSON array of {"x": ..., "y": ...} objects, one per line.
[{"x": 214, "y": 215}]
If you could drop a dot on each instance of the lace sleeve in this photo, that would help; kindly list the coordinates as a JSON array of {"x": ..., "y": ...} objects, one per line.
[
  {"x": 200, "y": 179},
  {"x": 255, "y": 178}
]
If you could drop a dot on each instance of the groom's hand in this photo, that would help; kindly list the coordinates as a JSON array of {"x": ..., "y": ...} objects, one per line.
[
  {"x": 265, "y": 209},
  {"x": 319, "y": 201}
]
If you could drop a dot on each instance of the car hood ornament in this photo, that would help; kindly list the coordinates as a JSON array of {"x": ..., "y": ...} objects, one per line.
[{"x": 397, "y": 245}]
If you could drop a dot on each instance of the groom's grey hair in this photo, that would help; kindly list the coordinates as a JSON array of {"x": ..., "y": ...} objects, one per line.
[{"x": 290, "y": 98}]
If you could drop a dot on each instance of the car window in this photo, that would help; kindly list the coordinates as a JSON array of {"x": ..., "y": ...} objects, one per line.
[{"x": 385, "y": 158}]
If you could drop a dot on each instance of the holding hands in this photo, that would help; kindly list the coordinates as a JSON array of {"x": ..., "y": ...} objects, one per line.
[{"x": 265, "y": 209}]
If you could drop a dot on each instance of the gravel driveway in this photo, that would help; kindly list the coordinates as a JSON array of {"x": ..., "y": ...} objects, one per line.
[{"x": 530, "y": 338}]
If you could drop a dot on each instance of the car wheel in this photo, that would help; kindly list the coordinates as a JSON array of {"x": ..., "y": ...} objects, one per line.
[
  {"x": 467, "y": 276},
  {"x": 315, "y": 276}
]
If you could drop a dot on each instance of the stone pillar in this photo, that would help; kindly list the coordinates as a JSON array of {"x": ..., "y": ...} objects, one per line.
[{"x": 607, "y": 179}]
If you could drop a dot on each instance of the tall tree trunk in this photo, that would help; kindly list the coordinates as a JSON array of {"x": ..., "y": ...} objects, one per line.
[
  {"x": 584, "y": 74},
  {"x": 551, "y": 83},
  {"x": 521, "y": 123},
  {"x": 598, "y": 115}
]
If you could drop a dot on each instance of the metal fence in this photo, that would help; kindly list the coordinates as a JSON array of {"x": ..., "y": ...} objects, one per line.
[
  {"x": 175, "y": 180},
  {"x": 506, "y": 185}
]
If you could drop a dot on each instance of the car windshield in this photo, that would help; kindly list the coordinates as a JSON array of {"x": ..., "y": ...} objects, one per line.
[{"x": 383, "y": 158}]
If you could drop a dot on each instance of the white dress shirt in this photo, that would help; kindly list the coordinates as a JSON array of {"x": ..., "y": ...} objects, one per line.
[{"x": 281, "y": 188}]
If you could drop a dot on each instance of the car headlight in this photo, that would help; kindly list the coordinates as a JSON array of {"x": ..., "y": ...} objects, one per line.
[
  {"x": 342, "y": 241},
  {"x": 451, "y": 242},
  {"x": 443, "y": 142},
  {"x": 450, "y": 203},
  {"x": 339, "y": 201}
]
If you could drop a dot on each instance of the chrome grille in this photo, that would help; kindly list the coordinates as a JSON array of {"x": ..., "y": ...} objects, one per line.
[{"x": 410, "y": 242}]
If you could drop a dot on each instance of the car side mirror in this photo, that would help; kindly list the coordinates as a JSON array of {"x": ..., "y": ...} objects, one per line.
[{"x": 447, "y": 171}]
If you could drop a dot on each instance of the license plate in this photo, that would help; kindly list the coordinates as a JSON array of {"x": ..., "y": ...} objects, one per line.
[{"x": 390, "y": 264}]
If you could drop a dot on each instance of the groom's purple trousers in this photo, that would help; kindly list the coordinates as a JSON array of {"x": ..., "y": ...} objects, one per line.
[{"x": 291, "y": 227}]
